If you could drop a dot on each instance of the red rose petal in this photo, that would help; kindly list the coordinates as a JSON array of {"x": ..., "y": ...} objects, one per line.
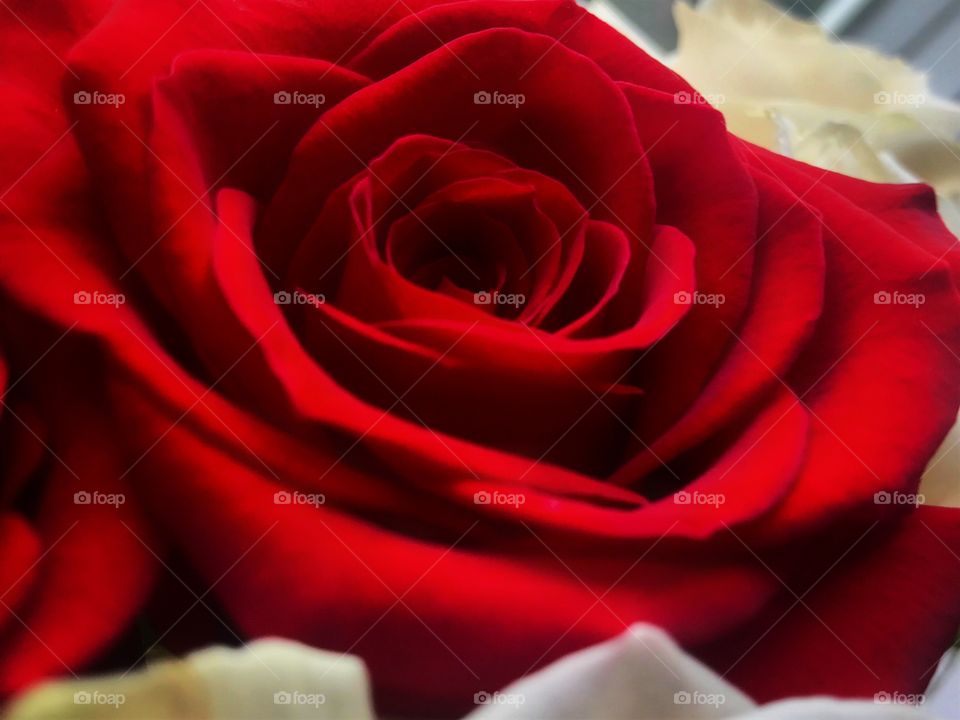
[
  {"x": 234, "y": 531},
  {"x": 435, "y": 96},
  {"x": 870, "y": 358},
  {"x": 430, "y": 28},
  {"x": 703, "y": 190},
  {"x": 81, "y": 596},
  {"x": 877, "y": 622},
  {"x": 21, "y": 552},
  {"x": 785, "y": 304}
]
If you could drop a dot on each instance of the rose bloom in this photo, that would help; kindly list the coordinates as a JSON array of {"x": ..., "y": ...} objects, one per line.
[{"x": 460, "y": 333}]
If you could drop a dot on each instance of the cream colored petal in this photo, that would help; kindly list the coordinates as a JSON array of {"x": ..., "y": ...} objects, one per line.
[
  {"x": 829, "y": 709},
  {"x": 789, "y": 86},
  {"x": 841, "y": 148},
  {"x": 644, "y": 675},
  {"x": 943, "y": 695},
  {"x": 941, "y": 480},
  {"x": 747, "y": 48},
  {"x": 928, "y": 156},
  {"x": 266, "y": 679},
  {"x": 756, "y": 12},
  {"x": 170, "y": 691},
  {"x": 640, "y": 674},
  {"x": 753, "y": 121}
]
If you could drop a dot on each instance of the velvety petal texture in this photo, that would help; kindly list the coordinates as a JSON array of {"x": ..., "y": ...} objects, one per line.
[{"x": 458, "y": 329}]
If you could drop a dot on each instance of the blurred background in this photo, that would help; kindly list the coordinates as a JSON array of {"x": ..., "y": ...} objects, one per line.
[{"x": 925, "y": 33}]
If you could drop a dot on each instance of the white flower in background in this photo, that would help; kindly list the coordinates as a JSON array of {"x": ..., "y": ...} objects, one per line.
[
  {"x": 640, "y": 675},
  {"x": 793, "y": 88},
  {"x": 264, "y": 680},
  {"x": 941, "y": 480}
]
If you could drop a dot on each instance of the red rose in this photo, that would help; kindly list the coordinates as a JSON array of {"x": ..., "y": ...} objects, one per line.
[{"x": 456, "y": 336}]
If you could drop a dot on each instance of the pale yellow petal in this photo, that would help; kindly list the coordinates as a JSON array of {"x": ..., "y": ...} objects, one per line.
[{"x": 266, "y": 679}]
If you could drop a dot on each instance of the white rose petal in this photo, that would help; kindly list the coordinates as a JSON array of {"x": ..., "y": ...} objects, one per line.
[
  {"x": 640, "y": 675},
  {"x": 793, "y": 88},
  {"x": 644, "y": 675},
  {"x": 264, "y": 680}
]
